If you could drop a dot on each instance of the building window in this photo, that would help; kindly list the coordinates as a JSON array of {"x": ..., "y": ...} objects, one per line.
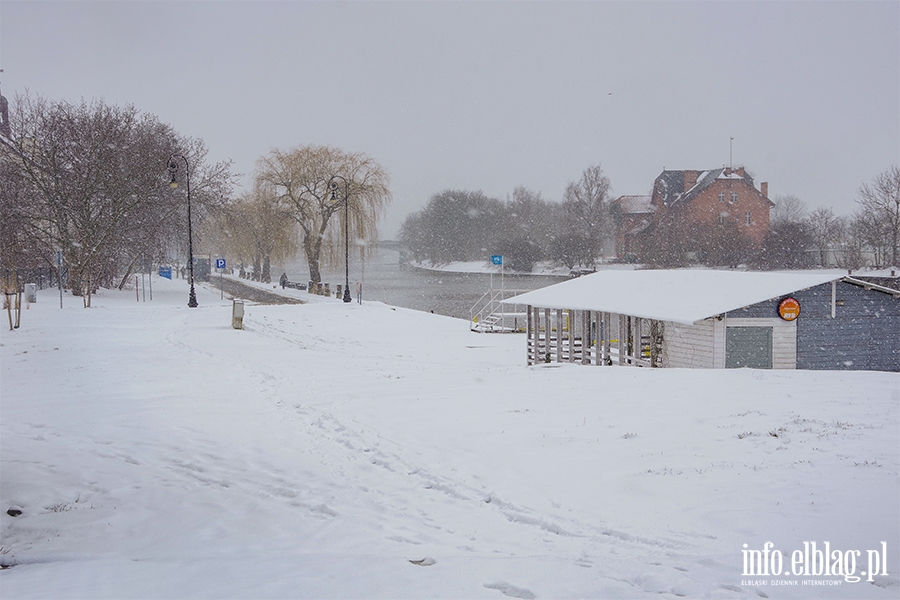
[
  {"x": 721, "y": 196},
  {"x": 733, "y": 197},
  {"x": 722, "y": 218},
  {"x": 747, "y": 218}
]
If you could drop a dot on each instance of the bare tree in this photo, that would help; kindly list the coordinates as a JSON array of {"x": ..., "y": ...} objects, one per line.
[
  {"x": 457, "y": 225},
  {"x": 527, "y": 214},
  {"x": 788, "y": 245},
  {"x": 826, "y": 230},
  {"x": 95, "y": 179},
  {"x": 586, "y": 210},
  {"x": 788, "y": 209},
  {"x": 851, "y": 250},
  {"x": 878, "y": 216},
  {"x": 302, "y": 179},
  {"x": 722, "y": 244},
  {"x": 671, "y": 239}
]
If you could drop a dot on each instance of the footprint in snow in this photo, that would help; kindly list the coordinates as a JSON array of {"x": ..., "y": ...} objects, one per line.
[{"x": 507, "y": 589}]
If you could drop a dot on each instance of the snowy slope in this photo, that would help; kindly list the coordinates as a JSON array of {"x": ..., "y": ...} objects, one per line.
[{"x": 336, "y": 450}]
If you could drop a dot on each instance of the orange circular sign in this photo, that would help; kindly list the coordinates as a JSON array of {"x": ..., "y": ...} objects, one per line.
[{"x": 789, "y": 309}]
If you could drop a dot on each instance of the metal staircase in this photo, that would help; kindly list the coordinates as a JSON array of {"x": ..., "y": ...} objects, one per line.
[{"x": 488, "y": 315}]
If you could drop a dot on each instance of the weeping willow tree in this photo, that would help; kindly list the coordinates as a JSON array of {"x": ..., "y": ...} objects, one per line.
[
  {"x": 257, "y": 231},
  {"x": 314, "y": 186}
]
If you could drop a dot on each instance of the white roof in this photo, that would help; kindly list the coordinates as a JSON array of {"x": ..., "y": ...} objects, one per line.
[
  {"x": 681, "y": 296},
  {"x": 635, "y": 204}
]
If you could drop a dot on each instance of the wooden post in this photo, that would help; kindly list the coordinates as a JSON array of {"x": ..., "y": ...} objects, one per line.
[
  {"x": 636, "y": 334},
  {"x": 529, "y": 341},
  {"x": 622, "y": 334},
  {"x": 654, "y": 350},
  {"x": 607, "y": 336},
  {"x": 545, "y": 357},
  {"x": 559, "y": 333},
  {"x": 586, "y": 318}
]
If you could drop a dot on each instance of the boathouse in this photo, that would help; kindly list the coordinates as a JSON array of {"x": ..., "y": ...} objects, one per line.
[{"x": 715, "y": 319}]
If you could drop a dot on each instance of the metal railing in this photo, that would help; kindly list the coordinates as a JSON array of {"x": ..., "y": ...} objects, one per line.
[{"x": 489, "y": 315}]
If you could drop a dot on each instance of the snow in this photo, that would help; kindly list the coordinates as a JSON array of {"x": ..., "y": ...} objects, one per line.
[
  {"x": 333, "y": 450},
  {"x": 681, "y": 296},
  {"x": 632, "y": 205}
]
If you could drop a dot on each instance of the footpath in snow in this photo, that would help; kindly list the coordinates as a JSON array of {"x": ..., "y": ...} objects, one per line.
[{"x": 333, "y": 450}]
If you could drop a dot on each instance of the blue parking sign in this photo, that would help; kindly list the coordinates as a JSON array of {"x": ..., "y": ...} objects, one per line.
[
  {"x": 497, "y": 259},
  {"x": 220, "y": 263}
]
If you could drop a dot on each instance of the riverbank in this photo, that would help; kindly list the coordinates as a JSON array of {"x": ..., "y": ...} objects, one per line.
[{"x": 485, "y": 267}]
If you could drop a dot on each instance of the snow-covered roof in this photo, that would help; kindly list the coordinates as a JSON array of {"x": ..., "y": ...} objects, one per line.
[
  {"x": 635, "y": 204},
  {"x": 681, "y": 296}
]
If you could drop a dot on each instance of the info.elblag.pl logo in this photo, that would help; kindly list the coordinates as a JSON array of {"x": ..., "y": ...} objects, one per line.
[{"x": 815, "y": 560}]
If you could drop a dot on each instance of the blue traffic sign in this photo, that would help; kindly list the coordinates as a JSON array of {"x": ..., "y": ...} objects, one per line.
[
  {"x": 497, "y": 259},
  {"x": 220, "y": 263}
]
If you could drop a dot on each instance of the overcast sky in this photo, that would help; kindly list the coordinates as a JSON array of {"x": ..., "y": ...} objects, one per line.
[{"x": 492, "y": 95}]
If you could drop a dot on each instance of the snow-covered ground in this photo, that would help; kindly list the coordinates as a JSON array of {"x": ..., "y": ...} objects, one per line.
[{"x": 333, "y": 450}]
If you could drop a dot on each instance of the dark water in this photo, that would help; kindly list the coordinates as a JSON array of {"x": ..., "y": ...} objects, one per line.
[{"x": 451, "y": 294}]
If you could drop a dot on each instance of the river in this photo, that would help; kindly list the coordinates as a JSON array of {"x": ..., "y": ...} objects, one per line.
[{"x": 441, "y": 292}]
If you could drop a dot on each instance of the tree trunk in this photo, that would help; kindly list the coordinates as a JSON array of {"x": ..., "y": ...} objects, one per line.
[
  {"x": 312, "y": 249},
  {"x": 266, "y": 270}
]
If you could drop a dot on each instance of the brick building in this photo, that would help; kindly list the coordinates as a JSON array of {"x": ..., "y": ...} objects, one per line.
[
  {"x": 715, "y": 196},
  {"x": 722, "y": 196},
  {"x": 633, "y": 215}
]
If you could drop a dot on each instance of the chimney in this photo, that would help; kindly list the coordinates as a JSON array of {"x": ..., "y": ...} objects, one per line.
[
  {"x": 740, "y": 171},
  {"x": 690, "y": 179},
  {"x": 764, "y": 188},
  {"x": 727, "y": 171}
]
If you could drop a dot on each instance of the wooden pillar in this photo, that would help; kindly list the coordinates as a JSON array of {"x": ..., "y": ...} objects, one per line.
[
  {"x": 621, "y": 336},
  {"x": 607, "y": 336},
  {"x": 553, "y": 335},
  {"x": 636, "y": 334},
  {"x": 586, "y": 338},
  {"x": 529, "y": 341},
  {"x": 542, "y": 337},
  {"x": 548, "y": 332}
]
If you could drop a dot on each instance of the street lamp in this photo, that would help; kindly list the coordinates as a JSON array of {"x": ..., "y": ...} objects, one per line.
[
  {"x": 173, "y": 169},
  {"x": 333, "y": 185}
]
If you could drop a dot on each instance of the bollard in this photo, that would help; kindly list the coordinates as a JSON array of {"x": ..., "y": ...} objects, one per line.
[{"x": 237, "y": 314}]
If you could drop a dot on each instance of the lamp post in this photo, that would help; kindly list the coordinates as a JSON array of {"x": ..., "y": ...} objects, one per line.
[
  {"x": 173, "y": 169},
  {"x": 333, "y": 185}
]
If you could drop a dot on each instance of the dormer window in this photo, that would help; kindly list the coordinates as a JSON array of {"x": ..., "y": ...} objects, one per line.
[{"x": 721, "y": 196}]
